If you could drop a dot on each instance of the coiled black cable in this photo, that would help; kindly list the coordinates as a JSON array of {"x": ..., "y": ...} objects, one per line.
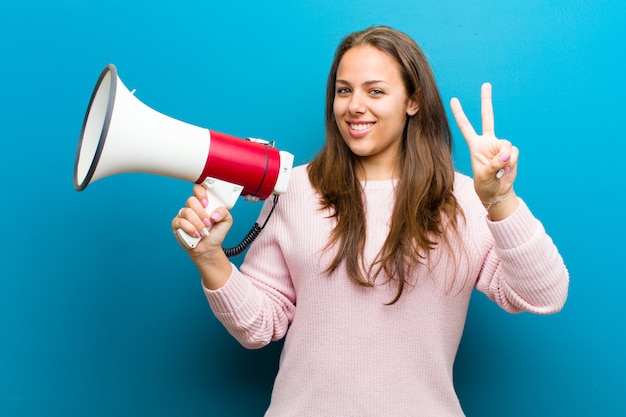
[{"x": 251, "y": 236}]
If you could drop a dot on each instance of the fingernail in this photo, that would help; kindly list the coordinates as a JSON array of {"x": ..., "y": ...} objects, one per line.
[
  {"x": 215, "y": 217},
  {"x": 500, "y": 173},
  {"x": 205, "y": 232},
  {"x": 207, "y": 222},
  {"x": 205, "y": 203},
  {"x": 505, "y": 157},
  {"x": 508, "y": 170},
  {"x": 196, "y": 233}
]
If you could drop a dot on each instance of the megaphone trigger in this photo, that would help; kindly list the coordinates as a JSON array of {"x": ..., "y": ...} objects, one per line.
[{"x": 220, "y": 194}]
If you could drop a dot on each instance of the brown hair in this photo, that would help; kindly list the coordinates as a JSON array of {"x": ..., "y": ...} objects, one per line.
[{"x": 425, "y": 205}]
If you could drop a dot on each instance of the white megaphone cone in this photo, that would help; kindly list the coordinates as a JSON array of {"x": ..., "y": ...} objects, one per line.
[{"x": 120, "y": 135}]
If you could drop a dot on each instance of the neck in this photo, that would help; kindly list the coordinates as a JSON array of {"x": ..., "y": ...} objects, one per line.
[{"x": 368, "y": 170}]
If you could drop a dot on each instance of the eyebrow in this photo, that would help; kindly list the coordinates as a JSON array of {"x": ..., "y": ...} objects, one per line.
[{"x": 366, "y": 83}]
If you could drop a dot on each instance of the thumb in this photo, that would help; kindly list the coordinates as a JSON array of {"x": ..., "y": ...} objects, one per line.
[{"x": 221, "y": 222}]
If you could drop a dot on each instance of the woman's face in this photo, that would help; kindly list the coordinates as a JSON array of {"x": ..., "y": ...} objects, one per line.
[{"x": 371, "y": 106}]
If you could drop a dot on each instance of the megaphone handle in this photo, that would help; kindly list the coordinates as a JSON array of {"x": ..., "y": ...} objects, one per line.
[{"x": 220, "y": 194}]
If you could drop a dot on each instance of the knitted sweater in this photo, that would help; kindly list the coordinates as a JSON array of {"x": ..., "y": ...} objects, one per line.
[{"x": 346, "y": 353}]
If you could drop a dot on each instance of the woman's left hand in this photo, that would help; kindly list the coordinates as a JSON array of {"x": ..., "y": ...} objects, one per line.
[{"x": 494, "y": 161}]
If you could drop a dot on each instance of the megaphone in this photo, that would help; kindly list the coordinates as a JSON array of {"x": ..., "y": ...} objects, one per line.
[{"x": 120, "y": 134}]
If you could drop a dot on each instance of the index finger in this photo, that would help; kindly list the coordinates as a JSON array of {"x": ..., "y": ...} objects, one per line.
[
  {"x": 486, "y": 109},
  {"x": 464, "y": 124},
  {"x": 200, "y": 192}
]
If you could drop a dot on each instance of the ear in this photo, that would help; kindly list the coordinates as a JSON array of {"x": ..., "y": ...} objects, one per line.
[{"x": 412, "y": 107}]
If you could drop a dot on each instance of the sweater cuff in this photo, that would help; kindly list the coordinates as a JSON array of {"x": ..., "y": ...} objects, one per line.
[
  {"x": 515, "y": 230},
  {"x": 231, "y": 296}
]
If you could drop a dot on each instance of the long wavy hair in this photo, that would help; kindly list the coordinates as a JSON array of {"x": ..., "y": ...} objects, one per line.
[{"x": 425, "y": 206}]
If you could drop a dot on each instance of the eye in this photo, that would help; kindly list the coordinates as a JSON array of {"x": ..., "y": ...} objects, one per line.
[
  {"x": 342, "y": 91},
  {"x": 377, "y": 92}
]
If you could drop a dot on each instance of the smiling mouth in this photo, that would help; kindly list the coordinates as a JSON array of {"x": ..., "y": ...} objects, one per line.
[{"x": 359, "y": 127}]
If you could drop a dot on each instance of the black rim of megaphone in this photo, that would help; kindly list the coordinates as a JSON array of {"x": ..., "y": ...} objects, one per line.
[{"x": 105, "y": 127}]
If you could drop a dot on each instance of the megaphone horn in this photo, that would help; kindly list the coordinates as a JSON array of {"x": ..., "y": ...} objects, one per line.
[{"x": 120, "y": 134}]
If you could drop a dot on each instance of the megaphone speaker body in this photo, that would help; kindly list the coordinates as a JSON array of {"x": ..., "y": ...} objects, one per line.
[{"x": 120, "y": 134}]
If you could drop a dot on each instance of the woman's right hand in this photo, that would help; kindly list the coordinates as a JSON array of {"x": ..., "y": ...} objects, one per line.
[
  {"x": 212, "y": 227},
  {"x": 194, "y": 220}
]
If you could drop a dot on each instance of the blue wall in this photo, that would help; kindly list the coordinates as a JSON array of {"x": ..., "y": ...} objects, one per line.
[{"x": 101, "y": 313}]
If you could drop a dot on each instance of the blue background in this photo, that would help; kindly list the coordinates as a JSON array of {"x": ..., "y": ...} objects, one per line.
[{"x": 101, "y": 313}]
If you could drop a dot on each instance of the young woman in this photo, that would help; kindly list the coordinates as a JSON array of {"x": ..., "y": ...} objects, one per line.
[{"x": 368, "y": 262}]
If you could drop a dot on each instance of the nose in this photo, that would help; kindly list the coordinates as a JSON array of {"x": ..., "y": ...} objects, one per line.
[{"x": 357, "y": 103}]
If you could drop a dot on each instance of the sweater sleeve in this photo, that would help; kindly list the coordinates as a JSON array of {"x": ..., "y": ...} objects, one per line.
[
  {"x": 257, "y": 303},
  {"x": 523, "y": 270}
]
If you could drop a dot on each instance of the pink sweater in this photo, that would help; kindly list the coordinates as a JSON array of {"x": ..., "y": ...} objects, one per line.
[{"x": 346, "y": 353}]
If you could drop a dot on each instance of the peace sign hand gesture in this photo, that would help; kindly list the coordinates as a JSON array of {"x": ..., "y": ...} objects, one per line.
[{"x": 494, "y": 161}]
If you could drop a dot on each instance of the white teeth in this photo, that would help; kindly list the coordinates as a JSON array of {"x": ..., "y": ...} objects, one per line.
[{"x": 361, "y": 126}]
